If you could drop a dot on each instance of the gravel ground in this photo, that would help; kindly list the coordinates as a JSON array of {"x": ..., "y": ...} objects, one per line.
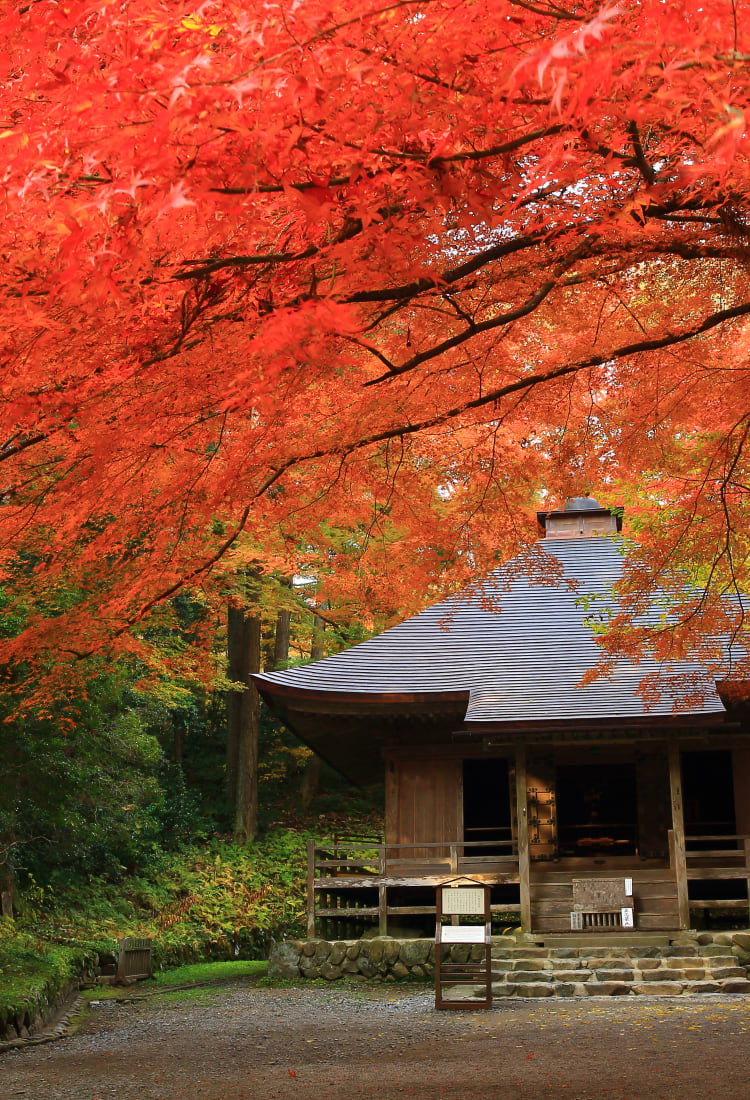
[{"x": 240, "y": 1042}]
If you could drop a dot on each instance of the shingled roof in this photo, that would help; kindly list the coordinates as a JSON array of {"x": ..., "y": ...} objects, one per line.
[{"x": 512, "y": 651}]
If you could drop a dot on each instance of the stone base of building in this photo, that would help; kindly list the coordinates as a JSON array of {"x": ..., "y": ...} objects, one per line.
[
  {"x": 384, "y": 958},
  {"x": 527, "y": 966}
]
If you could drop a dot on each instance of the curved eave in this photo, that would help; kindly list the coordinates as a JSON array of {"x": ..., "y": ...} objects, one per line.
[
  {"x": 335, "y": 725},
  {"x": 356, "y": 702}
]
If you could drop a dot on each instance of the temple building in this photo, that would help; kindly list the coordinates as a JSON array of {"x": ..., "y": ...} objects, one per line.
[{"x": 500, "y": 766}]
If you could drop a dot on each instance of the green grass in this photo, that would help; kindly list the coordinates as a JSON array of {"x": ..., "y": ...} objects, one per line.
[
  {"x": 184, "y": 981},
  {"x": 211, "y": 972}
]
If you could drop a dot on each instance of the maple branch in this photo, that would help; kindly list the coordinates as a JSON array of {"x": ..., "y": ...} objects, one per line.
[
  {"x": 524, "y": 384},
  {"x": 400, "y": 295},
  {"x": 475, "y": 329},
  {"x": 532, "y": 380},
  {"x": 552, "y": 11},
  {"x": 452, "y": 275},
  {"x": 351, "y": 228},
  {"x": 640, "y": 157},
  {"x": 398, "y": 154},
  {"x": 201, "y": 268},
  {"x": 528, "y": 382},
  {"x": 8, "y": 451}
]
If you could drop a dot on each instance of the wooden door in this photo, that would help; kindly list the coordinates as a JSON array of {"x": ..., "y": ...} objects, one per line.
[
  {"x": 654, "y": 805},
  {"x": 425, "y": 799}
]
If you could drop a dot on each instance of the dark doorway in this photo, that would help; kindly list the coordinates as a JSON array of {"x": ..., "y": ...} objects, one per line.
[
  {"x": 708, "y": 793},
  {"x": 596, "y": 809},
  {"x": 487, "y": 806}
]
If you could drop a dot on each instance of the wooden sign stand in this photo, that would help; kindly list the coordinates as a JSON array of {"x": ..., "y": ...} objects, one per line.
[{"x": 463, "y": 897}]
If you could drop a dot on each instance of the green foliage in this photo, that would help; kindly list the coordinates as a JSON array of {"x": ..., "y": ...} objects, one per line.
[
  {"x": 32, "y": 971},
  {"x": 113, "y": 795},
  {"x": 72, "y": 792},
  {"x": 217, "y": 901}
]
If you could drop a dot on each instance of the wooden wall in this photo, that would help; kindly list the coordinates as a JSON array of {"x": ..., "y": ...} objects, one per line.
[
  {"x": 654, "y": 896},
  {"x": 423, "y": 801}
]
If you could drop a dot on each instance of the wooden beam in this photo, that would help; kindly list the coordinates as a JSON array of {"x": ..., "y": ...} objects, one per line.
[
  {"x": 678, "y": 835},
  {"x": 429, "y": 879},
  {"x": 523, "y": 837},
  {"x": 719, "y": 903}
]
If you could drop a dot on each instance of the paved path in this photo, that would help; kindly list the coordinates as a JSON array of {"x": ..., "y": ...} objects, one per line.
[{"x": 242, "y": 1043}]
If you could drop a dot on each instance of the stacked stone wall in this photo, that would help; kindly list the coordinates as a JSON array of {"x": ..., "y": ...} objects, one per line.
[
  {"x": 382, "y": 959},
  {"x": 33, "y": 1012},
  {"x": 387, "y": 959}
]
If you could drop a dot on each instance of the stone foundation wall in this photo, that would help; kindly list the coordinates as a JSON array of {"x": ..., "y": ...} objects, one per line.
[
  {"x": 387, "y": 959},
  {"x": 384, "y": 959}
]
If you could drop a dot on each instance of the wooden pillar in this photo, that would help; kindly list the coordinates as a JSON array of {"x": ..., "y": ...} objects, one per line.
[
  {"x": 741, "y": 774},
  {"x": 678, "y": 833},
  {"x": 311, "y": 888},
  {"x": 523, "y": 837},
  {"x": 382, "y": 910},
  {"x": 392, "y": 823}
]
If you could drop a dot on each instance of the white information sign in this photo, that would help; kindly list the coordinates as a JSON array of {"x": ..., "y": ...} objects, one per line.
[
  {"x": 462, "y": 933},
  {"x": 628, "y": 887},
  {"x": 463, "y": 899},
  {"x": 627, "y": 918}
]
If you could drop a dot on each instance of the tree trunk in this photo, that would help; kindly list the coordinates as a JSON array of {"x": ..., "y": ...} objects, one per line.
[
  {"x": 7, "y": 875},
  {"x": 311, "y": 775},
  {"x": 243, "y": 708},
  {"x": 310, "y": 781},
  {"x": 281, "y": 639}
]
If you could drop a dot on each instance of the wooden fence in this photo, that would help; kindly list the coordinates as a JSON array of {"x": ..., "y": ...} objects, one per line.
[{"x": 134, "y": 959}]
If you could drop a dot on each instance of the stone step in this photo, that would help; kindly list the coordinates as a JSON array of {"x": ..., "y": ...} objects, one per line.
[
  {"x": 632, "y": 974},
  {"x": 594, "y": 939},
  {"x": 609, "y": 952},
  {"x": 677, "y": 956},
  {"x": 611, "y": 988},
  {"x": 644, "y": 965},
  {"x": 512, "y": 950}
]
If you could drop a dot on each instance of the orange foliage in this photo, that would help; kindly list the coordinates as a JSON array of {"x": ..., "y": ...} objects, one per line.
[{"x": 404, "y": 270}]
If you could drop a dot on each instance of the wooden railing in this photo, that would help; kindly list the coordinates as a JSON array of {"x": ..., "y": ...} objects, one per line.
[
  {"x": 337, "y": 865},
  {"x": 735, "y": 846},
  {"x": 354, "y": 857},
  {"x": 716, "y": 857}
]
